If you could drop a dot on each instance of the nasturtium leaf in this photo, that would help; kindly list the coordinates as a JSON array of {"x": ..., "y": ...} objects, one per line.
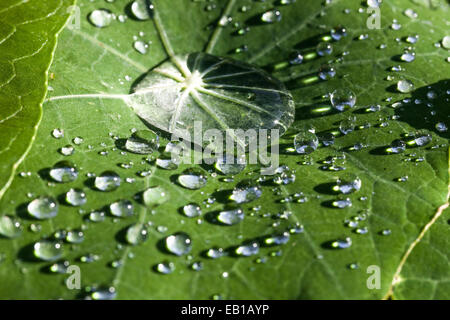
[
  {"x": 300, "y": 237},
  {"x": 28, "y": 32}
]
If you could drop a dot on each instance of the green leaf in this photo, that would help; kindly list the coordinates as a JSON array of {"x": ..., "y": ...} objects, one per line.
[
  {"x": 407, "y": 231},
  {"x": 27, "y": 42}
]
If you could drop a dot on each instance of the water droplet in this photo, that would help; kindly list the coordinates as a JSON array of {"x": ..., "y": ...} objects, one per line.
[
  {"x": 142, "y": 9},
  {"x": 342, "y": 244},
  {"x": 422, "y": 138},
  {"x": 192, "y": 210},
  {"x": 76, "y": 197},
  {"x": 78, "y": 140},
  {"x": 197, "y": 266},
  {"x": 104, "y": 294},
  {"x": 374, "y": 3},
  {"x": 284, "y": 175},
  {"x": 10, "y": 227},
  {"x": 410, "y": 13},
  {"x": 136, "y": 234},
  {"x": 75, "y": 236},
  {"x": 165, "y": 267},
  {"x": 277, "y": 239},
  {"x": 215, "y": 253},
  {"x": 192, "y": 178},
  {"x": 441, "y": 127},
  {"x": 43, "y": 208},
  {"x": 348, "y": 183},
  {"x": 58, "y": 133},
  {"x": 405, "y": 86},
  {"x": 246, "y": 191},
  {"x": 397, "y": 146},
  {"x": 271, "y": 16},
  {"x": 408, "y": 56},
  {"x": 143, "y": 142},
  {"x": 338, "y": 33},
  {"x": 324, "y": 49},
  {"x": 121, "y": 208},
  {"x": 305, "y": 142},
  {"x": 230, "y": 165},
  {"x": 48, "y": 250},
  {"x": 60, "y": 267},
  {"x": 154, "y": 196},
  {"x": 342, "y": 203},
  {"x": 97, "y": 216},
  {"x": 101, "y": 18},
  {"x": 342, "y": 99},
  {"x": 140, "y": 46},
  {"x": 231, "y": 217},
  {"x": 446, "y": 42},
  {"x": 107, "y": 181},
  {"x": 179, "y": 243},
  {"x": 64, "y": 171},
  {"x": 347, "y": 125},
  {"x": 248, "y": 250},
  {"x": 327, "y": 72}
]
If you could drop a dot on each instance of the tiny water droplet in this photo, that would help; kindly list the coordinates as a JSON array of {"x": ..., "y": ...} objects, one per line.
[{"x": 143, "y": 142}]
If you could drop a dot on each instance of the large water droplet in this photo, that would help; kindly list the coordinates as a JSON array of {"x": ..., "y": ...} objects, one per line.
[
  {"x": 342, "y": 244},
  {"x": 405, "y": 86},
  {"x": 271, "y": 16},
  {"x": 247, "y": 250},
  {"x": 64, "y": 171},
  {"x": 347, "y": 183},
  {"x": 43, "y": 208},
  {"x": 48, "y": 250},
  {"x": 305, "y": 142},
  {"x": 230, "y": 165},
  {"x": 136, "y": 234},
  {"x": 246, "y": 191},
  {"x": 154, "y": 196},
  {"x": 10, "y": 227},
  {"x": 142, "y": 9},
  {"x": 192, "y": 210},
  {"x": 107, "y": 181},
  {"x": 76, "y": 197},
  {"x": 143, "y": 142},
  {"x": 122, "y": 208},
  {"x": 179, "y": 243},
  {"x": 75, "y": 236},
  {"x": 165, "y": 267},
  {"x": 342, "y": 99},
  {"x": 101, "y": 18},
  {"x": 192, "y": 178},
  {"x": 231, "y": 217}
]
